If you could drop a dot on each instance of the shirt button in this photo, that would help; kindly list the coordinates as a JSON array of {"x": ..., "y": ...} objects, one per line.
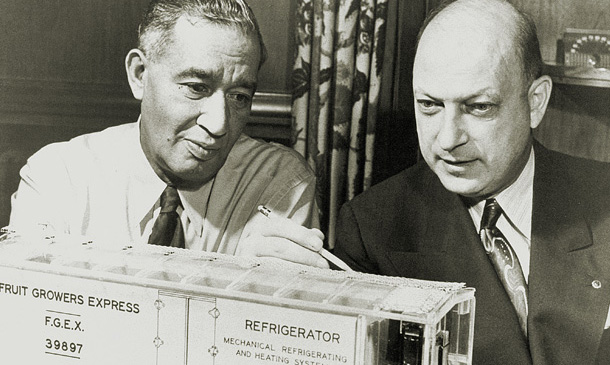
[{"x": 596, "y": 284}]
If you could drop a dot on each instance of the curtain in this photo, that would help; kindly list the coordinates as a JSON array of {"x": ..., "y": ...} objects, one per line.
[{"x": 336, "y": 84}]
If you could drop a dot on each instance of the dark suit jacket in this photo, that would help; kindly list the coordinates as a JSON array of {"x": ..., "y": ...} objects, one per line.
[{"x": 411, "y": 226}]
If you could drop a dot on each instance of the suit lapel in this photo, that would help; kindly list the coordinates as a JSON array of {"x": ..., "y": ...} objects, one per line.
[
  {"x": 566, "y": 311},
  {"x": 450, "y": 250},
  {"x": 570, "y": 251}
]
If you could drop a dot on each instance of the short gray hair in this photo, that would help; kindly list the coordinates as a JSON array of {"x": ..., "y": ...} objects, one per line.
[{"x": 154, "y": 32}]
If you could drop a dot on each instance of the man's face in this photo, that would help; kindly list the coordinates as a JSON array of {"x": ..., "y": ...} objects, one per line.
[
  {"x": 472, "y": 111},
  {"x": 196, "y": 100}
]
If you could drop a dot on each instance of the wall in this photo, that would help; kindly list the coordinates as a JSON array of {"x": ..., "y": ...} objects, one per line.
[
  {"x": 552, "y": 17},
  {"x": 578, "y": 118},
  {"x": 62, "y": 74}
]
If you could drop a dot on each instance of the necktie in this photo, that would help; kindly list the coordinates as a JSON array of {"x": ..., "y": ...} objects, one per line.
[
  {"x": 167, "y": 230},
  {"x": 504, "y": 260}
]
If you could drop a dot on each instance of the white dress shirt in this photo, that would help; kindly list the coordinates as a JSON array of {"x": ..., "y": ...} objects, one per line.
[{"x": 101, "y": 186}]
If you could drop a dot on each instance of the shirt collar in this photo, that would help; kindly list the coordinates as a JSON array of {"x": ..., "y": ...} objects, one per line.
[
  {"x": 144, "y": 187},
  {"x": 515, "y": 200},
  {"x": 195, "y": 203},
  {"x": 141, "y": 168}
]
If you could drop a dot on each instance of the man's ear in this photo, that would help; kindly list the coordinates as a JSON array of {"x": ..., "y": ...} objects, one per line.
[
  {"x": 135, "y": 65},
  {"x": 539, "y": 95}
]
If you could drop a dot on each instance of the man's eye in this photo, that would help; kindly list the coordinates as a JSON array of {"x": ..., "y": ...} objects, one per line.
[
  {"x": 481, "y": 108},
  {"x": 197, "y": 87},
  {"x": 240, "y": 100},
  {"x": 428, "y": 106},
  {"x": 194, "y": 89}
]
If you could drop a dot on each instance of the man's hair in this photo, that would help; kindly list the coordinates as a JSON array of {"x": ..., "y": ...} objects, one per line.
[
  {"x": 156, "y": 27},
  {"x": 525, "y": 39}
]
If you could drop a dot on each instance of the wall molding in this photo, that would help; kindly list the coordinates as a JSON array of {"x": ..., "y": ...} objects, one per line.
[
  {"x": 101, "y": 100},
  {"x": 269, "y": 104},
  {"x": 65, "y": 103},
  {"x": 93, "y": 106}
]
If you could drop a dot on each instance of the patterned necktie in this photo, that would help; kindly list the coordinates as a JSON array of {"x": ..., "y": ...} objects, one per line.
[
  {"x": 504, "y": 260},
  {"x": 167, "y": 230}
]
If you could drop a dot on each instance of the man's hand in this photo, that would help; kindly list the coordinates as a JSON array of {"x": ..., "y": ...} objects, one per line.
[{"x": 284, "y": 239}]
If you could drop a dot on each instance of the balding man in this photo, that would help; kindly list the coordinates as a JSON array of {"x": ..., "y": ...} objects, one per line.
[{"x": 489, "y": 206}]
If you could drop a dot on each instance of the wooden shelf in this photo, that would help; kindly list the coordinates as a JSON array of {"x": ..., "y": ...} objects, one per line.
[{"x": 583, "y": 76}]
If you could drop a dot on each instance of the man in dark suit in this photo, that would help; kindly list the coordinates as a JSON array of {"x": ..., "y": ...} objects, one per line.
[{"x": 541, "y": 265}]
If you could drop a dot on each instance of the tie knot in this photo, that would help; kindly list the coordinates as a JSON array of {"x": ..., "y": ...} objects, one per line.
[
  {"x": 170, "y": 200},
  {"x": 491, "y": 214}
]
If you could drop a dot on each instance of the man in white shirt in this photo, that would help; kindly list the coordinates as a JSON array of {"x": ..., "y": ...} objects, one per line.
[
  {"x": 195, "y": 72},
  {"x": 528, "y": 228}
]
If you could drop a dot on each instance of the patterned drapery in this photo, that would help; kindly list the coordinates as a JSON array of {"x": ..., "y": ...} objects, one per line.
[{"x": 336, "y": 84}]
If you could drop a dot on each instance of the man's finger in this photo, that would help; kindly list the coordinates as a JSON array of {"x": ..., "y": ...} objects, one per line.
[
  {"x": 261, "y": 246},
  {"x": 312, "y": 239}
]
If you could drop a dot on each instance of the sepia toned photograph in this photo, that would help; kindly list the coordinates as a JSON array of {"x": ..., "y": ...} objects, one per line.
[{"x": 305, "y": 182}]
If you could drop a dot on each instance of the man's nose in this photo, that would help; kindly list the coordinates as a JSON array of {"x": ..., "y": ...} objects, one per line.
[
  {"x": 451, "y": 133},
  {"x": 214, "y": 115}
]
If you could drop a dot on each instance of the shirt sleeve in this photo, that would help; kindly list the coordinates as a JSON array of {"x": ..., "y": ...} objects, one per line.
[
  {"x": 298, "y": 203},
  {"x": 42, "y": 200},
  {"x": 289, "y": 196},
  {"x": 289, "y": 185},
  {"x": 284, "y": 183}
]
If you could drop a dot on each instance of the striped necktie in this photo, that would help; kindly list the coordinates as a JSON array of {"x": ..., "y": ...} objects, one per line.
[
  {"x": 504, "y": 260},
  {"x": 167, "y": 230}
]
